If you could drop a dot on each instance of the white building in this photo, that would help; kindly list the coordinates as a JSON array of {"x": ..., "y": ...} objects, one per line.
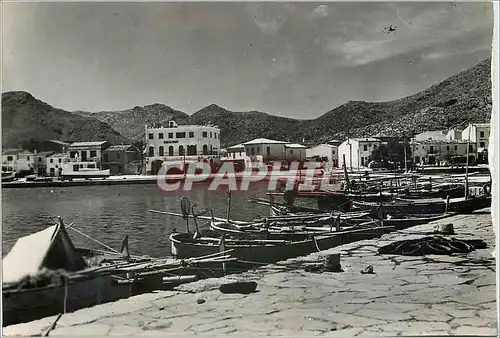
[
  {"x": 273, "y": 150},
  {"x": 88, "y": 151},
  {"x": 54, "y": 163},
  {"x": 441, "y": 151},
  {"x": 236, "y": 152},
  {"x": 25, "y": 161},
  {"x": 327, "y": 152},
  {"x": 432, "y": 135},
  {"x": 295, "y": 152},
  {"x": 357, "y": 151},
  {"x": 479, "y": 133},
  {"x": 9, "y": 157},
  {"x": 186, "y": 143}
]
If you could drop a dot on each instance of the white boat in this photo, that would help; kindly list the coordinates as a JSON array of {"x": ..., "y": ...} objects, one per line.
[
  {"x": 8, "y": 174},
  {"x": 82, "y": 169}
]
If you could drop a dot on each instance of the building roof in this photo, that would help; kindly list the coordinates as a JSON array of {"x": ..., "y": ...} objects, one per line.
[
  {"x": 26, "y": 152},
  {"x": 59, "y": 155},
  {"x": 324, "y": 145},
  {"x": 87, "y": 144},
  {"x": 59, "y": 142},
  {"x": 237, "y": 146},
  {"x": 294, "y": 145},
  {"x": 44, "y": 153},
  {"x": 11, "y": 151},
  {"x": 119, "y": 147},
  {"x": 264, "y": 141},
  {"x": 442, "y": 142},
  {"x": 365, "y": 139}
]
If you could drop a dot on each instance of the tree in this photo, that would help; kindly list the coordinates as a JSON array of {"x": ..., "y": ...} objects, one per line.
[
  {"x": 140, "y": 146},
  {"x": 392, "y": 154}
]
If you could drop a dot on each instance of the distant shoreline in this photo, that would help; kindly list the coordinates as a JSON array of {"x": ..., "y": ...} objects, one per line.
[{"x": 153, "y": 179}]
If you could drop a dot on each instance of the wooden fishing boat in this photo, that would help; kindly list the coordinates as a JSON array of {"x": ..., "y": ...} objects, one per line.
[
  {"x": 460, "y": 205},
  {"x": 251, "y": 252},
  {"x": 44, "y": 274},
  {"x": 403, "y": 221}
]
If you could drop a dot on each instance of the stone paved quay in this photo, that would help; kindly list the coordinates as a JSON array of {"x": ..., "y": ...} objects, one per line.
[{"x": 431, "y": 295}]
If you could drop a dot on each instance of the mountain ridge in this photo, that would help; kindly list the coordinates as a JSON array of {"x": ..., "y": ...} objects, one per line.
[{"x": 452, "y": 103}]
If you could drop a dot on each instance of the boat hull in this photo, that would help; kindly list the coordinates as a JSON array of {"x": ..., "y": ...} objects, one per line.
[
  {"x": 248, "y": 254},
  {"x": 30, "y": 304}
]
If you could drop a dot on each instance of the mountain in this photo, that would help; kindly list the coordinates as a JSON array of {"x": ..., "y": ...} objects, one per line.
[
  {"x": 130, "y": 123},
  {"x": 237, "y": 127},
  {"x": 25, "y": 119},
  {"x": 452, "y": 103}
]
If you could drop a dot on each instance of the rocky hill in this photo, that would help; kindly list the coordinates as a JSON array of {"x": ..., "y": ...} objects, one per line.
[
  {"x": 239, "y": 127},
  {"x": 454, "y": 102},
  {"x": 130, "y": 123},
  {"x": 26, "y": 119}
]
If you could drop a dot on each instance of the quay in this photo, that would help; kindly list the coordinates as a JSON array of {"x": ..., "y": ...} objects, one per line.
[{"x": 405, "y": 295}]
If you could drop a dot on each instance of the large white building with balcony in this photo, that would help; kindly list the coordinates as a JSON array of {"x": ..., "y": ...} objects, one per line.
[{"x": 181, "y": 143}]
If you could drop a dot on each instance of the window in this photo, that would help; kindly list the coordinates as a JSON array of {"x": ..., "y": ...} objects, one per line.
[
  {"x": 291, "y": 151},
  {"x": 150, "y": 136},
  {"x": 180, "y": 135},
  {"x": 91, "y": 166},
  {"x": 76, "y": 167},
  {"x": 191, "y": 134},
  {"x": 481, "y": 134},
  {"x": 181, "y": 150},
  {"x": 161, "y": 151},
  {"x": 39, "y": 159},
  {"x": 160, "y": 136},
  {"x": 268, "y": 151},
  {"x": 431, "y": 149},
  {"x": 471, "y": 149},
  {"x": 151, "y": 151},
  {"x": 205, "y": 149},
  {"x": 93, "y": 153},
  {"x": 481, "y": 144},
  {"x": 215, "y": 135},
  {"x": 210, "y": 134},
  {"x": 258, "y": 150},
  {"x": 456, "y": 147},
  {"x": 365, "y": 147},
  {"x": 204, "y": 134},
  {"x": 51, "y": 160},
  {"x": 28, "y": 158},
  {"x": 170, "y": 135},
  {"x": 105, "y": 157},
  {"x": 447, "y": 147},
  {"x": 171, "y": 151},
  {"x": 10, "y": 158}
]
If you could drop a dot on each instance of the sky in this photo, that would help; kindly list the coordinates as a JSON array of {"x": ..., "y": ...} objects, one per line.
[{"x": 296, "y": 60}]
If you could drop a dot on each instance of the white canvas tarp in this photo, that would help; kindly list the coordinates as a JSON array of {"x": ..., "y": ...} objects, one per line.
[{"x": 51, "y": 248}]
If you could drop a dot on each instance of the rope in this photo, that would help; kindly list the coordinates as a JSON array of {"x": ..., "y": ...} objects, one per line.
[
  {"x": 316, "y": 243},
  {"x": 92, "y": 239},
  {"x": 65, "y": 294}
]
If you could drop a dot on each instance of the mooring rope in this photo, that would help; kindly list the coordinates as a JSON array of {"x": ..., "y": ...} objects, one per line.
[
  {"x": 65, "y": 294},
  {"x": 92, "y": 239}
]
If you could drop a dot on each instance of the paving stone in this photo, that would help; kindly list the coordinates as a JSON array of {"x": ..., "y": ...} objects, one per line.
[
  {"x": 96, "y": 329},
  {"x": 387, "y": 315},
  {"x": 414, "y": 327},
  {"x": 430, "y": 315},
  {"x": 354, "y": 331},
  {"x": 353, "y": 320},
  {"x": 472, "y": 321},
  {"x": 474, "y": 331},
  {"x": 125, "y": 330}
]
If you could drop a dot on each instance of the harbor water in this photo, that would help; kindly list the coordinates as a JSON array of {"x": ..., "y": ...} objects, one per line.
[{"x": 108, "y": 213}]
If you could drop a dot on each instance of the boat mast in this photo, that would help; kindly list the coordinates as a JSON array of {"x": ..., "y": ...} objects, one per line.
[{"x": 467, "y": 165}]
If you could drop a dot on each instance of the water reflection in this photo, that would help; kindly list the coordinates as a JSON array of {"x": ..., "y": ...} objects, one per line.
[{"x": 108, "y": 213}]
